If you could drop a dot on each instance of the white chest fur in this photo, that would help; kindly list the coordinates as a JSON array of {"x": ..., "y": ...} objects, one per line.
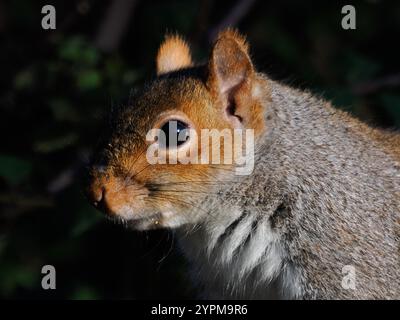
[{"x": 238, "y": 255}]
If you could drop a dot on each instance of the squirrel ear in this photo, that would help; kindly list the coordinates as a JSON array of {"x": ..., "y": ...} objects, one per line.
[
  {"x": 230, "y": 64},
  {"x": 173, "y": 54},
  {"x": 231, "y": 78}
]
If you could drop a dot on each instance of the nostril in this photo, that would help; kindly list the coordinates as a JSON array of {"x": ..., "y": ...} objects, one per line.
[{"x": 96, "y": 195}]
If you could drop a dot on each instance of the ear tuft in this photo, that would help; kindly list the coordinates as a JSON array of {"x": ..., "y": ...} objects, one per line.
[
  {"x": 234, "y": 35},
  {"x": 173, "y": 54}
]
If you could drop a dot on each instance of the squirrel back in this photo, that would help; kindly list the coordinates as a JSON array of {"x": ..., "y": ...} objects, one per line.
[{"x": 317, "y": 217}]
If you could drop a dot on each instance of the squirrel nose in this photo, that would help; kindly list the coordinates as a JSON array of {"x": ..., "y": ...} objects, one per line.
[
  {"x": 94, "y": 188},
  {"x": 98, "y": 196},
  {"x": 95, "y": 194}
]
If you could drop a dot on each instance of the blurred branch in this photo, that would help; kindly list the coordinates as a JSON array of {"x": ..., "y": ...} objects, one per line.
[
  {"x": 372, "y": 86},
  {"x": 202, "y": 21},
  {"x": 114, "y": 24},
  {"x": 68, "y": 176},
  {"x": 63, "y": 180},
  {"x": 237, "y": 13},
  {"x": 26, "y": 202}
]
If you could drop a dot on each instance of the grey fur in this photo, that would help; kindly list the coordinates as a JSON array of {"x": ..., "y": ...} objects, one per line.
[{"x": 323, "y": 195}]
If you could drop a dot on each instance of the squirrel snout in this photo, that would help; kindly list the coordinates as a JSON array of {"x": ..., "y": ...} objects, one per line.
[
  {"x": 95, "y": 194},
  {"x": 115, "y": 196},
  {"x": 100, "y": 196}
]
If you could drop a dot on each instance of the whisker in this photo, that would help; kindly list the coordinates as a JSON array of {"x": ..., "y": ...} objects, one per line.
[
  {"x": 170, "y": 249},
  {"x": 195, "y": 181},
  {"x": 173, "y": 199},
  {"x": 185, "y": 191},
  {"x": 140, "y": 171},
  {"x": 134, "y": 162}
]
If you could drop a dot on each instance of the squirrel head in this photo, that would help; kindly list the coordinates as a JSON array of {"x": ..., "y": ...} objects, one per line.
[{"x": 223, "y": 95}]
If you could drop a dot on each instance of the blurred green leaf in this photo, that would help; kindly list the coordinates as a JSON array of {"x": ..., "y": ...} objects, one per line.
[
  {"x": 14, "y": 169},
  {"x": 17, "y": 275},
  {"x": 23, "y": 79},
  {"x": 55, "y": 144},
  {"x": 89, "y": 79},
  {"x": 85, "y": 293},
  {"x": 130, "y": 77},
  {"x": 70, "y": 49},
  {"x": 77, "y": 50},
  {"x": 63, "y": 111},
  {"x": 89, "y": 56}
]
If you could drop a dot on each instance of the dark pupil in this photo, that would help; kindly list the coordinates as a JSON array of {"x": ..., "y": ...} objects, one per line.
[{"x": 172, "y": 130}]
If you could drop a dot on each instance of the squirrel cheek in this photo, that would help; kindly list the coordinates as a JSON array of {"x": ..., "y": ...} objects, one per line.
[{"x": 127, "y": 202}]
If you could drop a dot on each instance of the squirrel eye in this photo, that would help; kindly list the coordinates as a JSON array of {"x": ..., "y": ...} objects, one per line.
[{"x": 176, "y": 133}]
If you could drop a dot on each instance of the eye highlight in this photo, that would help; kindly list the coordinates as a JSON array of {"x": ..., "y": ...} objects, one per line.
[{"x": 176, "y": 133}]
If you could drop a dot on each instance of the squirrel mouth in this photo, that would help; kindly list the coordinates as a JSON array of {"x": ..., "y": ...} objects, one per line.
[
  {"x": 156, "y": 220},
  {"x": 153, "y": 221}
]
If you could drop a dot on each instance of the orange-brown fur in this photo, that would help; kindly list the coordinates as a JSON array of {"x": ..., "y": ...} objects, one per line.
[
  {"x": 173, "y": 54},
  {"x": 196, "y": 100}
]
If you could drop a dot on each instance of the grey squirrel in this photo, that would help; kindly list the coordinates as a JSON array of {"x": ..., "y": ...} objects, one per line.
[{"x": 323, "y": 197}]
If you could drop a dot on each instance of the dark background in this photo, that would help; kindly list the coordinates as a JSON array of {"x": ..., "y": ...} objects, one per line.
[{"x": 57, "y": 86}]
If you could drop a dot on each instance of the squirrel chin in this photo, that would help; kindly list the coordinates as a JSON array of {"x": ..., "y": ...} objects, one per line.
[{"x": 167, "y": 219}]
